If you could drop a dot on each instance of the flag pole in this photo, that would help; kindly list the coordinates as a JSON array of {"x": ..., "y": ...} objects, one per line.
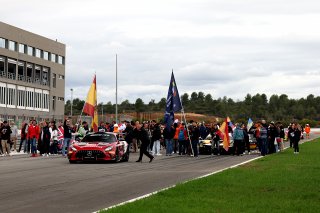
[
  {"x": 185, "y": 121},
  {"x": 116, "y": 88}
]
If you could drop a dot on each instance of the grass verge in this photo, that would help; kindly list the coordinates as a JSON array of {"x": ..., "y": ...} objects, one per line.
[{"x": 282, "y": 182}]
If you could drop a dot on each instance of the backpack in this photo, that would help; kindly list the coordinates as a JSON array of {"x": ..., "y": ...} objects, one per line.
[{"x": 181, "y": 135}]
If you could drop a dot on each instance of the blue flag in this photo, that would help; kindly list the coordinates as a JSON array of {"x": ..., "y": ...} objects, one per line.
[{"x": 173, "y": 103}]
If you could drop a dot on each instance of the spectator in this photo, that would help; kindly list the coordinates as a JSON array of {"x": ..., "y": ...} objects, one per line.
[
  {"x": 246, "y": 141},
  {"x": 128, "y": 136},
  {"x": 307, "y": 129},
  {"x": 291, "y": 134},
  {"x": 182, "y": 139},
  {"x": 33, "y": 135},
  {"x": 296, "y": 137},
  {"x": 168, "y": 134},
  {"x": 45, "y": 138},
  {"x": 23, "y": 139},
  {"x": 156, "y": 136},
  {"x": 5, "y": 131},
  {"x": 14, "y": 136},
  {"x": 215, "y": 140},
  {"x": 195, "y": 135},
  {"x": 176, "y": 127},
  {"x": 54, "y": 138},
  {"x": 264, "y": 138},
  {"x": 143, "y": 135},
  {"x": 68, "y": 130},
  {"x": 238, "y": 137}
]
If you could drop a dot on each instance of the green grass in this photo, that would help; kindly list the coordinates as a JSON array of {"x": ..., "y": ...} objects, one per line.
[{"x": 282, "y": 182}]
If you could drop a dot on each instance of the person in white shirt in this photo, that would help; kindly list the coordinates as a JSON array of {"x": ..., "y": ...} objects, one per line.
[
  {"x": 14, "y": 136},
  {"x": 54, "y": 138}
]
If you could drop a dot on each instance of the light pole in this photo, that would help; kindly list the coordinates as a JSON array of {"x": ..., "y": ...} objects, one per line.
[{"x": 71, "y": 102}]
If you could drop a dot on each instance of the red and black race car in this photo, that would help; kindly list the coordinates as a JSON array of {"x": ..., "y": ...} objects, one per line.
[{"x": 98, "y": 146}]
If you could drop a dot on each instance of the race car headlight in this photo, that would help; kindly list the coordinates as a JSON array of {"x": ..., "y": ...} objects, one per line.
[
  {"x": 108, "y": 148},
  {"x": 73, "y": 149}
]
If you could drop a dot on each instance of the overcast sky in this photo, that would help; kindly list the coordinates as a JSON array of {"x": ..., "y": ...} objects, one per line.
[{"x": 225, "y": 48}]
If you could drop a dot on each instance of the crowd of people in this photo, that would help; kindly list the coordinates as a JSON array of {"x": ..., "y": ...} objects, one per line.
[{"x": 49, "y": 138}]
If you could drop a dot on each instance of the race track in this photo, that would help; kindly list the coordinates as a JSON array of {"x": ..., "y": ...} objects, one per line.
[{"x": 51, "y": 184}]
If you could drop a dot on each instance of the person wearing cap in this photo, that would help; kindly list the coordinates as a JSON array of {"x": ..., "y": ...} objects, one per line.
[{"x": 5, "y": 132}]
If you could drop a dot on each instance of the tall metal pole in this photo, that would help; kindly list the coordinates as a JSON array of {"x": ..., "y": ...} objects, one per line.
[
  {"x": 71, "y": 102},
  {"x": 116, "y": 88},
  {"x": 102, "y": 111}
]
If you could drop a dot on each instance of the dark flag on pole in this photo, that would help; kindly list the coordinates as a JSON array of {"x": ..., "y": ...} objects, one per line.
[{"x": 173, "y": 103}]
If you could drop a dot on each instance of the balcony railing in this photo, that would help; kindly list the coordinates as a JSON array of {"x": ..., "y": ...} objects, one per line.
[
  {"x": 21, "y": 77},
  {"x": 29, "y": 79},
  {"x": 11, "y": 76},
  {"x": 37, "y": 80},
  {"x": 45, "y": 83},
  {"x": 3, "y": 74}
]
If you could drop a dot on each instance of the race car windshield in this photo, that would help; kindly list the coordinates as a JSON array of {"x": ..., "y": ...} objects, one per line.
[{"x": 104, "y": 138}]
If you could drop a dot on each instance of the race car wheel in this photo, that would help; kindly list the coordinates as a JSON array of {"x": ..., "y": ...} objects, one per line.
[
  {"x": 72, "y": 161},
  {"x": 117, "y": 158}
]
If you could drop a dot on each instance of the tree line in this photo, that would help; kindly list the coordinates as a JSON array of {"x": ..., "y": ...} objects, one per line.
[{"x": 276, "y": 108}]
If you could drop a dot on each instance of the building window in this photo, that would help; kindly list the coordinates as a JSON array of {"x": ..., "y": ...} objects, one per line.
[
  {"x": 21, "y": 98},
  {"x": 45, "y": 77},
  {"x": 2, "y": 71},
  {"x": 60, "y": 59},
  {"x": 21, "y": 76},
  {"x": 53, "y": 57},
  {"x": 37, "y": 74},
  {"x": 12, "y": 66},
  {"x": 45, "y": 100},
  {"x": 45, "y": 55},
  {"x": 22, "y": 48},
  {"x": 29, "y": 73},
  {"x": 37, "y": 100},
  {"x": 60, "y": 99},
  {"x": 30, "y": 50},
  {"x": 3, "y": 92},
  {"x": 54, "y": 80},
  {"x": 61, "y": 77},
  {"x": 30, "y": 98},
  {"x": 11, "y": 96},
  {"x": 38, "y": 53},
  {"x": 2, "y": 43},
  {"x": 53, "y": 102},
  {"x": 12, "y": 45}
]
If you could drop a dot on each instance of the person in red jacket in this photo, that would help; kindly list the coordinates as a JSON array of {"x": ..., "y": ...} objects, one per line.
[{"x": 33, "y": 135}]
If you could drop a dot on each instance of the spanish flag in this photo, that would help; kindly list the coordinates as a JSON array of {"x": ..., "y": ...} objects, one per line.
[
  {"x": 90, "y": 107},
  {"x": 225, "y": 134}
]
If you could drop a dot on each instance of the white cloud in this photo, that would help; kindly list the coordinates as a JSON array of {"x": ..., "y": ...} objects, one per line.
[{"x": 226, "y": 48}]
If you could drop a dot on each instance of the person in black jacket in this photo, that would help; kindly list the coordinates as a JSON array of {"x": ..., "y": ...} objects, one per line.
[
  {"x": 296, "y": 138},
  {"x": 5, "y": 132},
  {"x": 68, "y": 130},
  {"x": 128, "y": 132},
  {"x": 195, "y": 135},
  {"x": 143, "y": 136},
  {"x": 156, "y": 136},
  {"x": 45, "y": 139},
  {"x": 168, "y": 134}
]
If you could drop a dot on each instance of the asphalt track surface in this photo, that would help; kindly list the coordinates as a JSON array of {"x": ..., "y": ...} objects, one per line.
[{"x": 51, "y": 184}]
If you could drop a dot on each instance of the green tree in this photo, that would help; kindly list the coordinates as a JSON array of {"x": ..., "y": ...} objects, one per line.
[{"x": 139, "y": 105}]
